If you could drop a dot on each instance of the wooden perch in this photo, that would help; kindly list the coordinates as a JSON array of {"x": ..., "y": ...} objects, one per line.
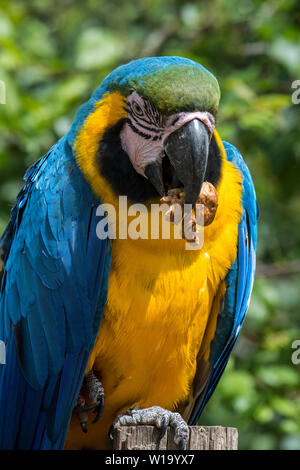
[{"x": 201, "y": 438}]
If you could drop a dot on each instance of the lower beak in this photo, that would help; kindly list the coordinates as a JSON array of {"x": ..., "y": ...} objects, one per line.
[
  {"x": 154, "y": 173},
  {"x": 187, "y": 149}
]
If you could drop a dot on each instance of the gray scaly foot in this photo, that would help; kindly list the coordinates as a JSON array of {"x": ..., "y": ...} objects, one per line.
[{"x": 158, "y": 417}]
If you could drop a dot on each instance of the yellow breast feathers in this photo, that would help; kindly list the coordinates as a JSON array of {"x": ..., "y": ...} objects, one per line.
[{"x": 159, "y": 302}]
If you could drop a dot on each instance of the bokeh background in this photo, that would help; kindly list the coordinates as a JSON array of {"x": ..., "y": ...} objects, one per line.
[{"x": 54, "y": 54}]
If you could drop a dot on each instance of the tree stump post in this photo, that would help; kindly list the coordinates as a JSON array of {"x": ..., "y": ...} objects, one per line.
[{"x": 201, "y": 438}]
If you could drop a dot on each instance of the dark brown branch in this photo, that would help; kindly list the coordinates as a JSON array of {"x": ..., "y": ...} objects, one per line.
[{"x": 278, "y": 269}]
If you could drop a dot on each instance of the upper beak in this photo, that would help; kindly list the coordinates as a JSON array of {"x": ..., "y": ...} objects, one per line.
[{"x": 187, "y": 149}]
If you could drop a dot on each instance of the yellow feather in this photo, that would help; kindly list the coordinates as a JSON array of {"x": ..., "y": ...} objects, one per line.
[
  {"x": 159, "y": 300},
  {"x": 108, "y": 112}
]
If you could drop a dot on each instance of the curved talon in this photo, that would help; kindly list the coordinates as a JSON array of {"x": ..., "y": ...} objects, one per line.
[
  {"x": 111, "y": 432},
  {"x": 82, "y": 417},
  {"x": 182, "y": 444},
  {"x": 84, "y": 428},
  {"x": 163, "y": 429},
  {"x": 99, "y": 408}
]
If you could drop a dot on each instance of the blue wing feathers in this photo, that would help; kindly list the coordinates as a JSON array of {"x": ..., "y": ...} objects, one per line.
[
  {"x": 54, "y": 290},
  {"x": 52, "y": 297},
  {"x": 239, "y": 282}
]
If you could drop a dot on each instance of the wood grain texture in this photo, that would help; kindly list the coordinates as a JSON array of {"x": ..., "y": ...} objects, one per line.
[{"x": 201, "y": 438}]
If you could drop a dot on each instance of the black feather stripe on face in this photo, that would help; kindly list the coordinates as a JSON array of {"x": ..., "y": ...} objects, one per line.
[
  {"x": 115, "y": 166},
  {"x": 137, "y": 131},
  {"x": 143, "y": 117},
  {"x": 151, "y": 129}
]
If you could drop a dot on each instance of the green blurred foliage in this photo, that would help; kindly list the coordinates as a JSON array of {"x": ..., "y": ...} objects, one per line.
[{"x": 54, "y": 54}]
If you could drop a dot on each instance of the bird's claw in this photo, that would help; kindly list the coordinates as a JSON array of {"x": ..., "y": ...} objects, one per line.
[
  {"x": 163, "y": 429},
  {"x": 96, "y": 396},
  {"x": 82, "y": 413},
  {"x": 98, "y": 409},
  {"x": 158, "y": 417},
  {"x": 182, "y": 444}
]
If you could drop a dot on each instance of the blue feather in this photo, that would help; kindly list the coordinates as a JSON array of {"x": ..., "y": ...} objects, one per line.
[
  {"x": 52, "y": 297},
  {"x": 239, "y": 283}
]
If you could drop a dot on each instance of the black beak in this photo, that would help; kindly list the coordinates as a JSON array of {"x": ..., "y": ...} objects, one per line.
[
  {"x": 154, "y": 173},
  {"x": 187, "y": 149}
]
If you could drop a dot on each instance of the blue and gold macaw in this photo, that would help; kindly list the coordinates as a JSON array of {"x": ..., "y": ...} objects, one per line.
[{"x": 144, "y": 323}]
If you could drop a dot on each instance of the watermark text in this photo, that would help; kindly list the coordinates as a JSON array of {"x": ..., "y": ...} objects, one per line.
[
  {"x": 296, "y": 354},
  {"x": 296, "y": 95},
  {"x": 2, "y": 353},
  {"x": 159, "y": 221}
]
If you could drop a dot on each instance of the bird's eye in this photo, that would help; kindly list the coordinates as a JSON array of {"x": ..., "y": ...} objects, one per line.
[{"x": 137, "y": 109}]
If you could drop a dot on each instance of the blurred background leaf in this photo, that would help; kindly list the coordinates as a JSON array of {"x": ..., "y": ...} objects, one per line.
[{"x": 53, "y": 55}]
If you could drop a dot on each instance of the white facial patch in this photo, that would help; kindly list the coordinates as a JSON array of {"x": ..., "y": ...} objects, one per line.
[
  {"x": 145, "y": 132},
  {"x": 185, "y": 117},
  {"x": 141, "y": 151}
]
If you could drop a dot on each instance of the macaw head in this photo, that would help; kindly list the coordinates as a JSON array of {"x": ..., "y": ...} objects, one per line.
[{"x": 148, "y": 128}]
